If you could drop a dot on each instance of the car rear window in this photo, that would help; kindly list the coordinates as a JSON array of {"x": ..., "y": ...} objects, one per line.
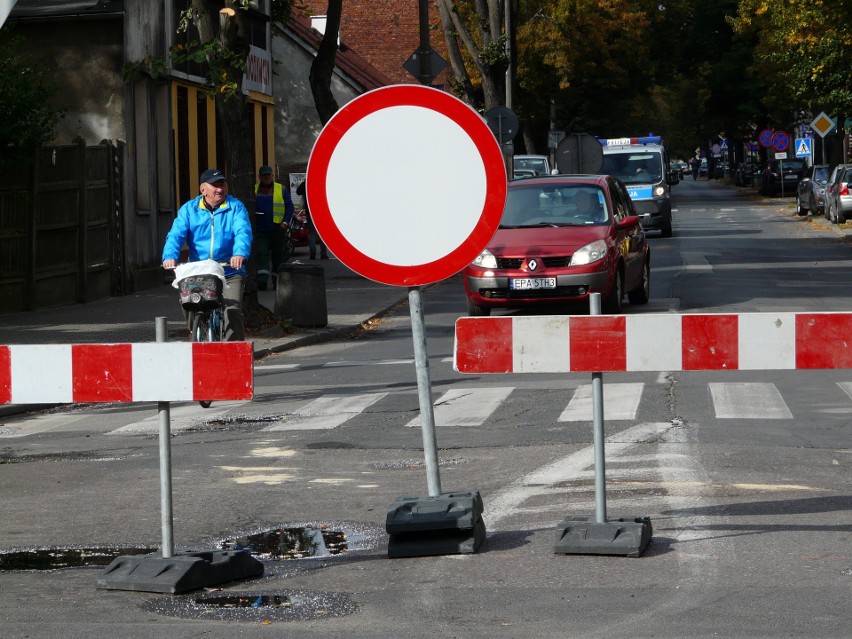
[
  {"x": 821, "y": 173},
  {"x": 555, "y": 205}
]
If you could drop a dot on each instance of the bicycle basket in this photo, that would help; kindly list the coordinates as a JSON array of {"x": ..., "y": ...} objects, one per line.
[{"x": 199, "y": 292}]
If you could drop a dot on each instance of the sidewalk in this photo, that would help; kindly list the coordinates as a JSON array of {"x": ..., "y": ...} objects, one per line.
[{"x": 350, "y": 298}]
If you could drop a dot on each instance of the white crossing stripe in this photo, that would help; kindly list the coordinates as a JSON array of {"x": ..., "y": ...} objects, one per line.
[
  {"x": 328, "y": 411},
  {"x": 748, "y": 401},
  {"x": 366, "y": 362},
  {"x": 466, "y": 406},
  {"x": 621, "y": 401},
  {"x": 846, "y": 387},
  {"x": 182, "y": 416}
]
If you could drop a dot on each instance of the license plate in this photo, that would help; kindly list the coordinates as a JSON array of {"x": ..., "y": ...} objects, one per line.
[
  {"x": 532, "y": 283},
  {"x": 790, "y": 177}
]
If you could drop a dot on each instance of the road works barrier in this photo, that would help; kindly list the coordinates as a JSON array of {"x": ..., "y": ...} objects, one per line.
[
  {"x": 644, "y": 343},
  {"x": 144, "y": 372},
  {"x": 157, "y": 371}
]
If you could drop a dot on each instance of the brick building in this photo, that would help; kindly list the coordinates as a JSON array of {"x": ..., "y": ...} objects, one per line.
[{"x": 385, "y": 33}]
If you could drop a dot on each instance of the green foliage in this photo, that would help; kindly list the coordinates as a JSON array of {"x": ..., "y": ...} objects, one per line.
[
  {"x": 804, "y": 50},
  {"x": 28, "y": 120}
]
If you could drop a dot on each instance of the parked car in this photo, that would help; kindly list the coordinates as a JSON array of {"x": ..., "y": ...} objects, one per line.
[
  {"x": 838, "y": 199},
  {"x": 702, "y": 168},
  {"x": 810, "y": 195},
  {"x": 772, "y": 180},
  {"x": 561, "y": 238},
  {"x": 745, "y": 173}
]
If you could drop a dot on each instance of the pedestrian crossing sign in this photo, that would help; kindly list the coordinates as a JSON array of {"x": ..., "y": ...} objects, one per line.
[{"x": 804, "y": 147}]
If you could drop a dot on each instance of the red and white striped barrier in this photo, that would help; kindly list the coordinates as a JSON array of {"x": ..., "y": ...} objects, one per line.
[
  {"x": 654, "y": 342},
  {"x": 155, "y": 371}
]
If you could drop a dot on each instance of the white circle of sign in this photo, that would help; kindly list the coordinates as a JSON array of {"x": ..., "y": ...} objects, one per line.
[{"x": 406, "y": 185}]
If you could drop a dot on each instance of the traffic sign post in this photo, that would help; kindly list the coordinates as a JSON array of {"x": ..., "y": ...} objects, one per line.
[{"x": 443, "y": 188}]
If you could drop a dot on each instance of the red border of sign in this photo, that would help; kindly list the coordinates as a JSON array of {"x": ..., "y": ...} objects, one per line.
[{"x": 480, "y": 135}]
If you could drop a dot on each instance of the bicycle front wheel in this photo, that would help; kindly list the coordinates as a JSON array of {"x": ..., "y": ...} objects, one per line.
[{"x": 201, "y": 328}]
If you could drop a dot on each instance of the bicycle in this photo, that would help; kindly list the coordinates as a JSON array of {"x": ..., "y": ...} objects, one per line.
[{"x": 200, "y": 285}]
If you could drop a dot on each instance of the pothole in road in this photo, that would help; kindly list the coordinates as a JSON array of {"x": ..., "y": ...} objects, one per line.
[
  {"x": 416, "y": 464},
  {"x": 292, "y": 543},
  {"x": 289, "y": 605},
  {"x": 308, "y": 540},
  {"x": 55, "y": 558}
]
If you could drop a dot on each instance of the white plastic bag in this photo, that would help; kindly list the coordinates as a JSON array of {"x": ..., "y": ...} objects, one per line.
[{"x": 202, "y": 267}]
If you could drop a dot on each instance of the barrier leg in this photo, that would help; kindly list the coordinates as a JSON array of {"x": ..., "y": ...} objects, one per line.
[
  {"x": 183, "y": 572},
  {"x": 440, "y": 523},
  {"x": 601, "y": 536}
]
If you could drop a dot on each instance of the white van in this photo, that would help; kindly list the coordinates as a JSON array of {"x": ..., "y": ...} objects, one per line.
[
  {"x": 522, "y": 164},
  {"x": 643, "y": 165}
]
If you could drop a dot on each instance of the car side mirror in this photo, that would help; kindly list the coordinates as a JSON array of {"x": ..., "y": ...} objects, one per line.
[{"x": 631, "y": 221}]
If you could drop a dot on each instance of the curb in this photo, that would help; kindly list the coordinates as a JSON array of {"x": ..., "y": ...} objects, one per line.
[{"x": 311, "y": 339}]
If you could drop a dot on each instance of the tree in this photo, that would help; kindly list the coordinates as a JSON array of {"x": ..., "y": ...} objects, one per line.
[
  {"x": 28, "y": 120},
  {"x": 322, "y": 67},
  {"x": 473, "y": 30},
  {"x": 803, "y": 50}
]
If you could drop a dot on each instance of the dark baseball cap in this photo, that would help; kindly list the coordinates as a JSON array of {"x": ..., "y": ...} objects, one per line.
[
  {"x": 265, "y": 170},
  {"x": 212, "y": 175}
]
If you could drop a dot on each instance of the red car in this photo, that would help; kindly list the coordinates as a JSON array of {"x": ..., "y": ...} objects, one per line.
[{"x": 560, "y": 239}]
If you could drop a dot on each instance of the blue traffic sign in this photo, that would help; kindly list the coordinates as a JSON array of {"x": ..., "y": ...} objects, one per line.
[
  {"x": 780, "y": 141},
  {"x": 765, "y": 138},
  {"x": 804, "y": 147}
]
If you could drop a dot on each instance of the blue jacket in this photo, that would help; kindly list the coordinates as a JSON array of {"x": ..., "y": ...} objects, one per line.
[{"x": 218, "y": 235}]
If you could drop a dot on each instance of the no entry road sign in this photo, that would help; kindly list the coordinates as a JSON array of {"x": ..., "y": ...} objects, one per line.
[{"x": 406, "y": 185}]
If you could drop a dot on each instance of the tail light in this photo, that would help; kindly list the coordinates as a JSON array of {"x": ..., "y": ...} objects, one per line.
[{"x": 844, "y": 188}]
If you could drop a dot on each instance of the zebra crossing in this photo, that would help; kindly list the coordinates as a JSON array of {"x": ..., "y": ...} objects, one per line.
[{"x": 459, "y": 407}]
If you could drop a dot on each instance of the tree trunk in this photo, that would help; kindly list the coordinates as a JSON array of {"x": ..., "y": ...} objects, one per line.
[{"x": 322, "y": 67}]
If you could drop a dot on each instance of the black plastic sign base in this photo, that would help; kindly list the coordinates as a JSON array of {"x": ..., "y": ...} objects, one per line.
[
  {"x": 181, "y": 573},
  {"x": 450, "y": 523},
  {"x": 578, "y": 535}
]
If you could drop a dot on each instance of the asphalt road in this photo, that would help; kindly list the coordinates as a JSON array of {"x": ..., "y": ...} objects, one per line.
[{"x": 745, "y": 476}]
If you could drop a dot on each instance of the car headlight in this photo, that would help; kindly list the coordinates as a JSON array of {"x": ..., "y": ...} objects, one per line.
[
  {"x": 589, "y": 253},
  {"x": 485, "y": 259},
  {"x": 659, "y": 191}
]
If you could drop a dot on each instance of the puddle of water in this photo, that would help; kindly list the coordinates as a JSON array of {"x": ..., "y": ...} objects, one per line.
[
  {"x": 291, "y": 543},
  {"x": 245, "y": 601},
  {"x": 54, "y": 558}
]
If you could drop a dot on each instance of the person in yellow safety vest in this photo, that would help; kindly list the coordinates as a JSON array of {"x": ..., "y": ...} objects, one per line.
[{"x": 273, "y": 210}]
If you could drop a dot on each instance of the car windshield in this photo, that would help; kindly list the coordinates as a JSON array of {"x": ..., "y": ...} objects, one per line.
[
  {"x": 555, "y": 205},
  {"x": 633, "y": 168}
]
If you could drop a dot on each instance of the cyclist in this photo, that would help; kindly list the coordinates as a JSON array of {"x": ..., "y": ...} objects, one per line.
[{"x": 215, "y": 226}]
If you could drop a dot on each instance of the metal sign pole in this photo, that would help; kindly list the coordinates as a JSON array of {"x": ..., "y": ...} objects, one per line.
[
  {"x": 164, "y": 412},
  {"x": 424, "y": 390},
  {"x": 598, "y": 424}
]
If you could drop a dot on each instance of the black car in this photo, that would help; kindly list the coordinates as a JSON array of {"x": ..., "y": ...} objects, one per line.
[
  {"x": 810, "y": 195},
  {"x": 745, "y": 173},
  {"x": 782, "y": 176}
]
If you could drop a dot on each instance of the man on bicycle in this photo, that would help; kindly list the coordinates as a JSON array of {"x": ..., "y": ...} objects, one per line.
[{"x": 215, "y": 226}]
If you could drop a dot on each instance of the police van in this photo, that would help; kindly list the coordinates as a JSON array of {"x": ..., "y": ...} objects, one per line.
[{"x": 643, "y": 165}]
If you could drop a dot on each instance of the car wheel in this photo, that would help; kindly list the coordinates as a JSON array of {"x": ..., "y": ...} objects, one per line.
[
  {"x": 612, "y": 305},
  {"x": 801, "y": 210},
  {"x": 642, "y": 293},
  {"x": 477, "y": 311}
]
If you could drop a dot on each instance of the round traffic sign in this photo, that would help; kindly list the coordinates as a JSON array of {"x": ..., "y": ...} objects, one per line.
[
  {"x": 765, "y": 138},
  {"x": 780, "y": 141},
  {"x": 406, "y": 185}
]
